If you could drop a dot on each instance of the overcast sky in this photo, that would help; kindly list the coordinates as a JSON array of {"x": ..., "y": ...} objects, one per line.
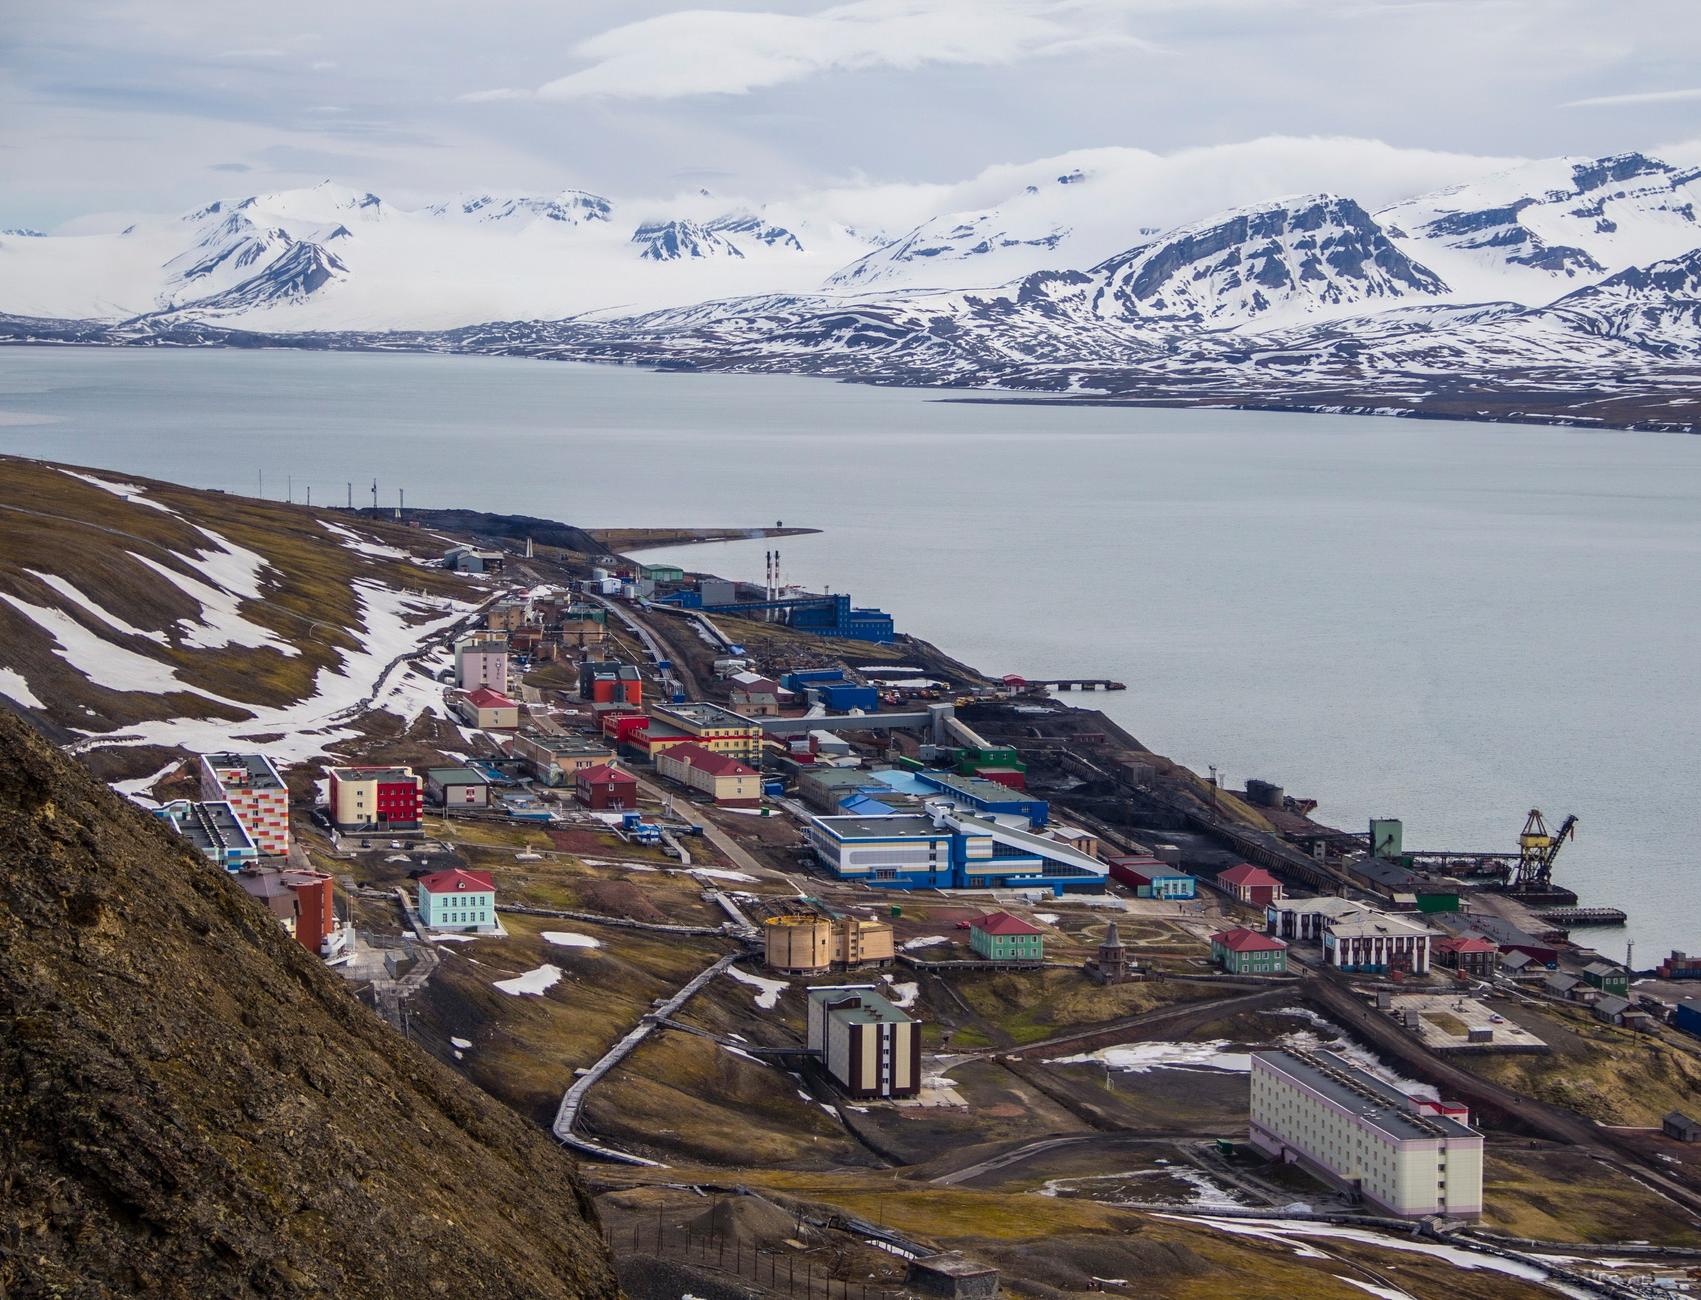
[{"x": 157, "y": 105}]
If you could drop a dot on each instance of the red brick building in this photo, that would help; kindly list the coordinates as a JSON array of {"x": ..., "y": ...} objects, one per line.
[
  {"x": 1251, "y": 884},
  {"x": 605, "y": 788}
]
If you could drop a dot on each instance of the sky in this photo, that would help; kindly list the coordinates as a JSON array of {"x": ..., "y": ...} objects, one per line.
[{"x": 136, "y": 106}]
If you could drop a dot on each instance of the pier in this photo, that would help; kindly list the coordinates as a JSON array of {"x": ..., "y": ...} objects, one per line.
[
  {"x": 1066, "y": 683},
  {"x": 1580, "y": 915}
]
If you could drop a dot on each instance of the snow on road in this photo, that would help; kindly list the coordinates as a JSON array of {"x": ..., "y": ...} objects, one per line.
[
  {"x": 534, "y": 982},
  {"x": 925, "y": 941},
  {"x": 715, "y": 873}
]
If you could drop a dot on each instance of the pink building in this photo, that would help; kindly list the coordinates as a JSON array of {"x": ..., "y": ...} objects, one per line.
[{"x": 481, "y": 662}]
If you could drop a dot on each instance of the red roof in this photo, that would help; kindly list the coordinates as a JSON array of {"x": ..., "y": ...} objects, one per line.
[
  {"x": 1004, "y": 923},
  {"x": 1468, "y": 943},
  {"x": 1240, "y": 939},
  {"x": 485, "y": 698},
  {"x": 604, "y": 772},
  {"x": 706, "y": 760},
  {"x": 449, "y": 882},
  {"x": 1247, "y": 874}
]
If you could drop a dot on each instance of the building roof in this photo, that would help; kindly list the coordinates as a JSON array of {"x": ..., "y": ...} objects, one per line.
[
  {"x": 1248, "y": 875},
  {"x": 485, "y": 698},
  {"x": 1326, "y": 905},
  {"x": 704, "y": 714},
  {"x": 1516, "y": 960},
  {"x": 1467, "y": 943},
  {"x": 210, "y": 827},
  {"x": 373, "y": 773},
  {"x": 907, "y": 826},
  {"x": 1599, "y": 968},
  {"x": 1362, "y": 1094},
  {"x": 1240, "y": 939},
  {"x": 1612, "y": 1005},
  {"x": 604, "y": 773},
  {"x": 1562, "y": 981},
  {"x": 871, "y": 1008},
  {"x": 706, "y": 760},
  {"x": 1678, "y": 1118},
  {"x": 1370, "y": 924},
  {"x": 564, "y": 744},
  {"x": 259, "y": 771},
  {"x": 1003, "y": 923},
  {"x": 975, "y": 788},
  {"x": 456, "y": 776},
  {"x": 456, "y": 880}
]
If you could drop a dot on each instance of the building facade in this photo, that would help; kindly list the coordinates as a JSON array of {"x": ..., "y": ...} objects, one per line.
[
  {"x": 1376, "y": 943},
  {"x": 808, "y": 944},
  {"x": 481, "y": 660},
  {"x": 1469, "y": 954},
  {"x": 1148, "y": 877},
  {"x": 1251, "y": 884},
  {"x": 1410, "y": 1157},
  {"x": 1303, "y": 920},
  {"x": 721, "y": 731},
  {"x": 554, "y": 759},
  {"x": 1247, "y": 952},
  {"x": 457, "y": 787},
  {"x": 869, "y": 1047},
  {"x": 1000, "y": 936},
  {"x": 457, "y": 900},
  {"x": 720, "y": 776},
  {"x": 946, "y": 850},
  {"x": 605, "y": 788},
  {"x": 489, "y": 708},
  {"x": 376, "y": 799},
  {"x": 610, "y": 683},
  {"x": 250, "y": 784}
]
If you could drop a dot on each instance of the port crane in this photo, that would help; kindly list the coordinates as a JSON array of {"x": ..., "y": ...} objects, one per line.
[{"x": 1537, "y": 848}]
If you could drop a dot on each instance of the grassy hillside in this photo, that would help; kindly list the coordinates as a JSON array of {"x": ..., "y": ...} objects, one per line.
[{"x": 125, "y": 601}]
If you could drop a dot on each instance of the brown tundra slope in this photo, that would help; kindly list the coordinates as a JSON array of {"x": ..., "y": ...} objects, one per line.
[{"x": 190, "y": 1105}]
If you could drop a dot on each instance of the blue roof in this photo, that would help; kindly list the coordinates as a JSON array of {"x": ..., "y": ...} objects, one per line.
[
  {"x": 904, "y": 782},
  {"x": 861, "y": 805}
]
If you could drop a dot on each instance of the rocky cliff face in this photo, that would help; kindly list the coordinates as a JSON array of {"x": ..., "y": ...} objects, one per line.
[{"x": 191, "y": 1106}]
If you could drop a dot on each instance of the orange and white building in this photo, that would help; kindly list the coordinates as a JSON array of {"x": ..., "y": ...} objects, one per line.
[{"x": 250, "y": 784}]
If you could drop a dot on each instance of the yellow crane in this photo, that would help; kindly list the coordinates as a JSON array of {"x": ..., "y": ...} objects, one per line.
[{"x": 1537, "y": 848}]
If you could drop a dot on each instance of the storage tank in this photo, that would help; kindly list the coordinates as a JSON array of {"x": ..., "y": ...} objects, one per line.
[{"x": 798, "y": 945}]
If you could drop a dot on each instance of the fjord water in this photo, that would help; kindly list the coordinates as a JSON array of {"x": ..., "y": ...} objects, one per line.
[{"x": 1445, "y": 622}]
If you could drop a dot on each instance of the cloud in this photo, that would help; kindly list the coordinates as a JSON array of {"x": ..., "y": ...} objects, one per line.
[
  {"x": 728, "y": 52},
  {"x": 1636, "y": 97},
  {"x": 229, "y": 167}
]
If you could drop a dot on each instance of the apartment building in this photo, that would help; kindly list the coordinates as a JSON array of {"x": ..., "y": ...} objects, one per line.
[
  {"x": 1408, "y": 1156},
  {"x": 250, "y": 784},
  {"x": 869, "y": 1046}
]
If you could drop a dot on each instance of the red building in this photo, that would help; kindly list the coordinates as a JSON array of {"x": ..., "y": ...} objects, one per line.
[
  {"x": 1135, "y": 870},
  {"x": 1469, "y": 954},
  {"x": 605, "y": 787},
  {"x": 610, "y": 683},
  {"x": 376, "y": 798},
  {"x": 315, "y": 917},
  {"x": 620, "y": 727},
  {"x": 1251, "y": 884}
]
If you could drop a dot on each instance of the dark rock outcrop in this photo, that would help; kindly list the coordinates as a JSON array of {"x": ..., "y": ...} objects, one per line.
[{"x": 190, "y": 1105}]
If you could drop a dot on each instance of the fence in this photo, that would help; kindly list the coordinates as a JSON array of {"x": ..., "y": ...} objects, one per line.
[{"x": 778, "y": 1268}]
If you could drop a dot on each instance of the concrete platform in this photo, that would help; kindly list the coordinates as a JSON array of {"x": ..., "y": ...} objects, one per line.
[{"x": 1440, "y": 1016}]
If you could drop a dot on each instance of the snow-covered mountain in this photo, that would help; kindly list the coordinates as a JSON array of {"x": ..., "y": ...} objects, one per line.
[
  {"x": 1563, "y": 277},
  {"x": 1540, "y": 230}
]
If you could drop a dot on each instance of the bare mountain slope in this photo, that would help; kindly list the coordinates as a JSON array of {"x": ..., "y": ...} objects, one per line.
[{"x": 190, "y": 1105}]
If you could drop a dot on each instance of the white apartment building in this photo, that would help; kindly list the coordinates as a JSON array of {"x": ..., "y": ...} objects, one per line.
[
  {"x": 1305, "y": 919},
  {"x": 1374, "y": 943},
  {"x": 1406, "y": 1155},
  {"x": 481, "y": 660}
]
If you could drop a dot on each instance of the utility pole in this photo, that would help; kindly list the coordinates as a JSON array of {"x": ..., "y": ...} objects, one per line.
[
  {"x": 262, "y": 484},
  {"x": 309, "y": 496},
  {"x": 351, "y": 496},
  {"x": 401, "y": 502},
  {"x": 289, "y": 488},
  {"x": 375, "y": 496}
]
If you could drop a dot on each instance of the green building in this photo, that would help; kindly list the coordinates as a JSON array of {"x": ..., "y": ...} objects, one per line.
[
  {"x": 1609, "y": 979},
  {"x": 1002, "y": 937},
  {"x": 1247, "y": 952},
  {"x": 662, "y": 572}
]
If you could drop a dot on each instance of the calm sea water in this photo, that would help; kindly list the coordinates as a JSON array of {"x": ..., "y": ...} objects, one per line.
[{"x": 1447, "y": 623}]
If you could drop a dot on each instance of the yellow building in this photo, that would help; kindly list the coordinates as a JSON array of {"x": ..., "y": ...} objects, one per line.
[
  {"x": 808, "y": 944},
  {"x": 718, "y": 730},
  {"x": 868, "y": 1045}
]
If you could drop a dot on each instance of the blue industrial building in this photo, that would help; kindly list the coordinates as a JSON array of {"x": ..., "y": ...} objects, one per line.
[
  {"x": 949, "y": 851},
  {"x": 983, "y": 796},
  {"x": 824, "y": 615},
  {"x": 802, "y": 679},
  {"x": 844, "y": 697},
  {"x": 1687, "y": 1016}
]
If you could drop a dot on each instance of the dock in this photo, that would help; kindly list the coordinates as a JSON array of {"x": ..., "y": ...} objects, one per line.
[
  {"x": 1066, "y": 683},
  {"x": 1580, "y": 915}
]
